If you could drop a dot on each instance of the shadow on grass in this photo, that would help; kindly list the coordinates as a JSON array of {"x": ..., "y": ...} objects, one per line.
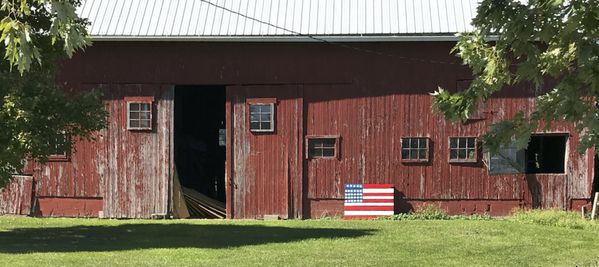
[{"x": 143, "y": 236}]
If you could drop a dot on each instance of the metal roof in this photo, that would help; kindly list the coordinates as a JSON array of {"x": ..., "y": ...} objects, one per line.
[{"x": 260, "y": 20}]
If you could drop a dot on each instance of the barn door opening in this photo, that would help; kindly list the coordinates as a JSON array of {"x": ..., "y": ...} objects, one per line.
[{"x": 200, "y": 149}]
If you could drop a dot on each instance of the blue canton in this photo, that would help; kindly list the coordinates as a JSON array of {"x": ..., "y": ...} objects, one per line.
[{"x": 353, "y": 193}]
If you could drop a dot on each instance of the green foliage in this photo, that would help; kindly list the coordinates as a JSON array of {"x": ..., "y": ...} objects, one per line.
[
  {"x": 27, "y": 25},
  {"x": 430, "y": 212},
  {"x": 433, "y": 212},
  {"x": 554, "y": 217},
  {"x": 549, "y": 46},
  {"x": 37, "y": 116}
]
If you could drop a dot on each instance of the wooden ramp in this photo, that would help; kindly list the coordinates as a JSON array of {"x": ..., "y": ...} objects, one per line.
[{"x": 202, "y": 206}]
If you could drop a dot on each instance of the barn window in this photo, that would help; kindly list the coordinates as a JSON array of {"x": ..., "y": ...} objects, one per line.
[
  {"x": 58, "y": 148},
  {"x": 414, "y": 149},
  {"x": 462, "y": 149},
  {"x": 139, "y": 114},
  {"x": 323, "y": 147},
  {"x": 544, "y": 154},
  {"x": 508, "y": 160},
  {"x": 262, "y": 115}
]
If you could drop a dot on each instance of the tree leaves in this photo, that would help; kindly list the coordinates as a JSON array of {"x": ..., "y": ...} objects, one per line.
[
  {"x": 36, "y": 113},
  {"x": 549, "y": 45},
  {"x": 20, "y": 34}
]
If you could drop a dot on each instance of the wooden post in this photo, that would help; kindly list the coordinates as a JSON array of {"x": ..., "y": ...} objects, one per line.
[{"x": 595, "y": 203}]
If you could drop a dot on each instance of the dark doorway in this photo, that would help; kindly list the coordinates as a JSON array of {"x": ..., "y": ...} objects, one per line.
[
  {"x": 199, "y": 139},
  {"x": 546, "y": 154}
]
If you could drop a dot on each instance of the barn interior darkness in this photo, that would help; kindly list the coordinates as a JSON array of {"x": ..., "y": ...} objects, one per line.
[
  {"x": 546, "y": 154},
  {"x": 199, "y": 139}
]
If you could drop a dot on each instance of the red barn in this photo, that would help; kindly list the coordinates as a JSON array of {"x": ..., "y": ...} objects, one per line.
[{"x": 273, "y": 106}]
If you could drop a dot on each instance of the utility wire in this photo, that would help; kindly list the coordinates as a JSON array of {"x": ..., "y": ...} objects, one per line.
[{"x": 294, "y": 33}]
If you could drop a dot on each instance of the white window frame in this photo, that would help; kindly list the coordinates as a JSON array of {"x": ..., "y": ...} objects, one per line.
[
  {"x": 409, "y": 148},
  {"x": 272, "y": 118},
  {"x": 131, "y": 128},
  {"x": 466, "y": 160}
]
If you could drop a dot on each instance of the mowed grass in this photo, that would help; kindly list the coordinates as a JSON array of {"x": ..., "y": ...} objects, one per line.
[{"x": 94, "y": 242}]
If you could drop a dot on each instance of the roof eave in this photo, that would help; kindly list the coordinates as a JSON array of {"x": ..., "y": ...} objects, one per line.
[{"x": 305, "y": 38}]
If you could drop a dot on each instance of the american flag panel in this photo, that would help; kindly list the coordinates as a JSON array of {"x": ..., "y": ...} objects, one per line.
[{"x": 366, "y": 201}]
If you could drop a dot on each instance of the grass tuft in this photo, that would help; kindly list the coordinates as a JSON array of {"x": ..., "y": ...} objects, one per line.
[
  {"x": 553, "y": 217},
  {"x": 434, "y": 212}
]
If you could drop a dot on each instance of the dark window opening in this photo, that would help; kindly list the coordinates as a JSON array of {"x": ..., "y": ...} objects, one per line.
[
  {"x": 462, "y": 149},
  {"x": 414, "y": 149},
  {"x": 319, "y": 147},
  {"x": 546, "y": 154},
  {"x": 262, "y": 117},
  {"x": 200, "y": 146}
]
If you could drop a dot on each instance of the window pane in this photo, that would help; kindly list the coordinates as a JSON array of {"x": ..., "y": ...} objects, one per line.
[
  {"x": 264, "y": 125},
  {"x": 329, "y": 142},
  {"x": 145, "y": 106},
  {"x": 144, "y": 115},
  {"x": 328, "y": 152},
  {"x": 134, "y": 115},
  {"x": 311, "y": 151},
  {"x": 144, "y": 124},
  {"x": 134, "y": 123},
  {"x": 462, "y": 153},
  {"x": 470, "y": 153},
  {"x": 266, "y": 108},
  {"x": 405, "y": 142},
  {"x": 405, "y": 154},
  {"x": 414, "y": 154},
  {"x": 254, "y": 125},
  {"x": 453, "y": 153},
  {"x": 254, "y": 117},
  {"x": 134, "y": 106},
  {"x": 422, "y": 154},
  {"x": 470, "y": 142},
  {"x": 453, "y": 143},
  {"x": 413, "y": 143},
  {"x": 254, "y": 109},
  {"x": 265, "y": 117},
  {"x": 461, "y": 142},
  {"x": 423, "y": 143}
]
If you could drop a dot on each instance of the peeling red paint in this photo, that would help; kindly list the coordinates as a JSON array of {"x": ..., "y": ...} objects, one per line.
[
  {"x": 69, "y": 207},
  {"x": 16, "y": 197},
  {"x": 368, "y": 100}
]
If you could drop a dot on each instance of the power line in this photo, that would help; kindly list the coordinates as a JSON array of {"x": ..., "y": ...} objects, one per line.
[{"x": 299, "y": 34}]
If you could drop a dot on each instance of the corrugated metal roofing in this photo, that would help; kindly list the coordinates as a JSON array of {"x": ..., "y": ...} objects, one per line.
[{"x": 230, "y": 19}]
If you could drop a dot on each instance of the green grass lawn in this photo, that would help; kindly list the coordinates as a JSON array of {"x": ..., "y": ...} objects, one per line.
[{"x": 93, "y": 242}]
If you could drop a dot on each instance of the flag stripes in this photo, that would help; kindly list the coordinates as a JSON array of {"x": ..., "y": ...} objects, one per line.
[{"x": 365, "y": 201}]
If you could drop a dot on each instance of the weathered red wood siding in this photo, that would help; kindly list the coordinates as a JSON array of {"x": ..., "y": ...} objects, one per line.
[
  {"x": 16, "y": 197},
  {"x": 370, "y": 100},
  {"x": 267, "y": 167},
  {"x": 138, "y": 163},
  {"x": 371, "y": 127},
  {"x": 123, "y": 173}
]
